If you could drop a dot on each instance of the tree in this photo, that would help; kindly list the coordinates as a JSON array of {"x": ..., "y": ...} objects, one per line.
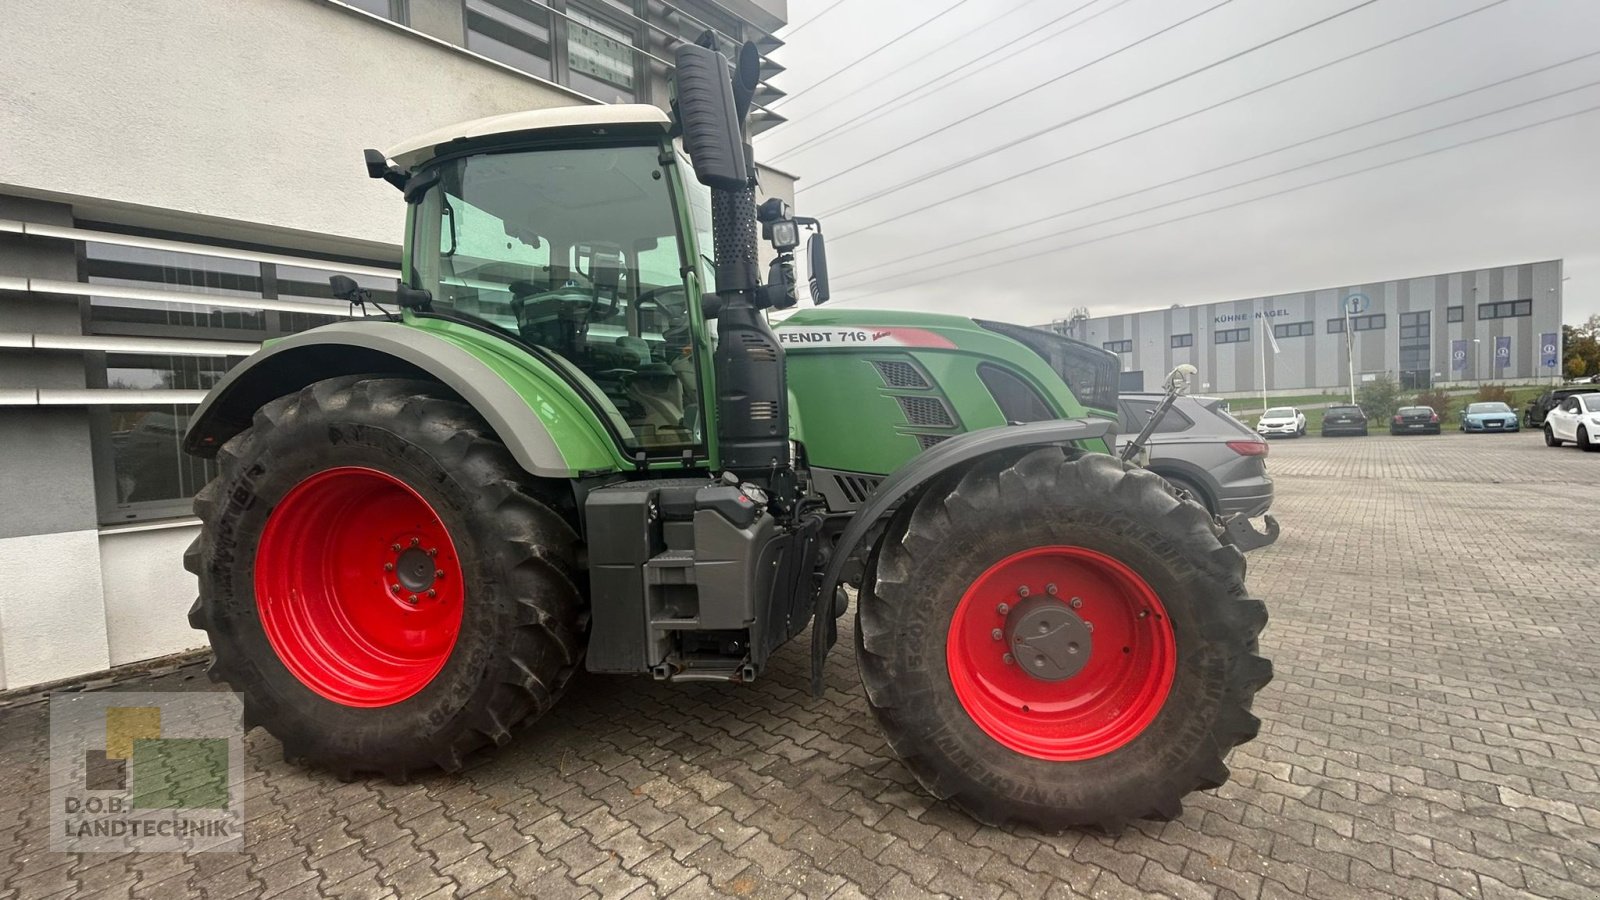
[
  {"x": 1582, "y": 348},
  {"x": 1379, "y": 398}
]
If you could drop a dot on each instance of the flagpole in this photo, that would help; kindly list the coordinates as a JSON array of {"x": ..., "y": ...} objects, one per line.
[{"x": 1263, "y": 365}]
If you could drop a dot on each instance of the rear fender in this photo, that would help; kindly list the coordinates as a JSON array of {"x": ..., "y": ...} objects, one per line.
[
  {"x": 906, "y": 484},
  {"x": 548, "y": 433}
]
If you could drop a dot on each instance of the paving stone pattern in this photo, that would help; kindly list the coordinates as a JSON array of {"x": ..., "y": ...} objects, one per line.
[{"x": 1432, "y": 732}]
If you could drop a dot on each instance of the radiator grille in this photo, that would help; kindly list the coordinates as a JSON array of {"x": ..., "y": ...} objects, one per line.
[
  {"x": 764, "y": 410},
  {"x": 899, "y": 374},
  {"x": 926, "y": 411},
  {"x": 928, "y": 440}
]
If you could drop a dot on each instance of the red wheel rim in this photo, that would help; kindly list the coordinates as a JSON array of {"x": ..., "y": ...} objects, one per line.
[
  {"x": 358, "y": 587},
  {"x": 1123, "y": 681}
]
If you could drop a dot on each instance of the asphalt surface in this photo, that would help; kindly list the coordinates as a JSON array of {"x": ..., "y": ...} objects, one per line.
[{"x": 1432, "y": 731}]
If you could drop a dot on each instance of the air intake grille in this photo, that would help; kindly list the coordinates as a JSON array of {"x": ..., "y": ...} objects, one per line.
[
  {"x": 857, "y": 488},
  {"x": 928, "y": 440},
  {"x": 764, "y": 410},
  {"x": 757, "y": 348},
  {"x": 926, "y": 411},
  {"x": 899, "y": 374}
]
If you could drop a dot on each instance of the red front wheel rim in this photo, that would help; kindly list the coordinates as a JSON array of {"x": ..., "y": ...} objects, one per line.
[
  {"x": 1111, "y": 664},
  {"x": 358, "y": 587}
]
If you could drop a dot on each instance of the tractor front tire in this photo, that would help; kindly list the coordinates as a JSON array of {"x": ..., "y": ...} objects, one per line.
[
  {"x": 381, "y": 582},
  {"x": 1060, "y": 640}
]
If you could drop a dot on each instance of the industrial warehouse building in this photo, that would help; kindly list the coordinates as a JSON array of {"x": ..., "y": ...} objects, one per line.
[
  {"x": 177, "y": 182},
  {"x": 1484, "y": 325}
]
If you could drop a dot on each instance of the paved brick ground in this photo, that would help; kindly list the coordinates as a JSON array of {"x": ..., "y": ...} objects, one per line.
[{"x": 1432, "y": 732}]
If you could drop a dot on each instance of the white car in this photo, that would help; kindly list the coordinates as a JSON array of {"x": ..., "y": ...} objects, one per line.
[
  {"x": 1282, "y": 420},
  {"x": 1576, "y": 419}
]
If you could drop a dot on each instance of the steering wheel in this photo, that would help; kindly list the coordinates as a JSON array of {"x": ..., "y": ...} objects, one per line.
[{"x": 675, "y": 311}]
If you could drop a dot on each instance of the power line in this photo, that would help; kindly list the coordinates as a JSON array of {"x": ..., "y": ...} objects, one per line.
[
  {"x": 879, "y": 49},
  {"x": 1237, "y": 204},
  {"x": 801, "y": 27},
  {"x": 1259, "y": 178},
  {"x": 946, "y": 127},
  {"x": 1238, "y": 162},
  {"x": 1159, "y": 125},
  {"x": 877, "y": 110}
]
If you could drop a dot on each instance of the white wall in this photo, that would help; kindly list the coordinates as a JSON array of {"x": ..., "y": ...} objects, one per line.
[
  {"x": 148, "y": 593},
  {"x": 253, "y": 110},
  {"x": 52, "y": 589}
]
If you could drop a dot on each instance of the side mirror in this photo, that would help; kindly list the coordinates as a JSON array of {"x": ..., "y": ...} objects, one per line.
[
  {"x": 345, "y": 288},
  {"x": 817, "y": 268}
]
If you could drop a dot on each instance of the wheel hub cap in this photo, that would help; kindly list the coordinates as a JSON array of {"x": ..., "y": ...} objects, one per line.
[
  {"x": 1047, "y": 639},
  {"x": 1061, "y": 653}
]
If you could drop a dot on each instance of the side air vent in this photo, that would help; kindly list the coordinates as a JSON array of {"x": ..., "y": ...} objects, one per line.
[
  {"x": 857, "y": 488},
  {"x": 764, "y": 410},
  {"x": 926, "y": 411},
  {"x": 897, "y": 374},
  {"x": 928, "y": 440},
  {"x": 758, "y": 349}
]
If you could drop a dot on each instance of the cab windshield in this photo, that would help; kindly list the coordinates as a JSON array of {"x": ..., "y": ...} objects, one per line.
[{"x": 577, "y": 252}]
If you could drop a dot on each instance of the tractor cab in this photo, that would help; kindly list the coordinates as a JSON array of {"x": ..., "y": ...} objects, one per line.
[{"x": 573, "y": 230}]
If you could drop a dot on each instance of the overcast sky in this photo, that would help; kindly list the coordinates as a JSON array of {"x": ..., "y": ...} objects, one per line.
[{"x": 1531, "y": 193}]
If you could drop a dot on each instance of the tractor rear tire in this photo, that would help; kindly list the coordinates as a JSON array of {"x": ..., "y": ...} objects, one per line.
[
  {"x": 1056, "y": 536},
  {"x": 381, "y": 582}
]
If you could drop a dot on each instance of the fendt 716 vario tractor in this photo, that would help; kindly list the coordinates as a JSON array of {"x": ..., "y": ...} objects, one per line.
[{"x": 578, "y": 443}]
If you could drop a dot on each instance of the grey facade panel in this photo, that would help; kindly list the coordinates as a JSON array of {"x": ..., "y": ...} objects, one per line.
[{"x": 1319, "y": 362}]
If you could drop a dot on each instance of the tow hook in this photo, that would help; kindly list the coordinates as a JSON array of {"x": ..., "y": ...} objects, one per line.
[{"x": 1243, "y": 535}]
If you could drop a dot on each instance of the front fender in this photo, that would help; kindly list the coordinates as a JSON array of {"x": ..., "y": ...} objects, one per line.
[
  {"x": 908, "y": 479},
  {"x": 549, "y": 432}
]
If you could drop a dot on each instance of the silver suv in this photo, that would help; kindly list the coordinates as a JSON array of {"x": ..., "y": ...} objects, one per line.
[{"x": 1202, "y": 449}]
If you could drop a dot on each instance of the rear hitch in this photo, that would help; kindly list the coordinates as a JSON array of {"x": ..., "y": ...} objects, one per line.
[{"x": 1243, "y": 535}]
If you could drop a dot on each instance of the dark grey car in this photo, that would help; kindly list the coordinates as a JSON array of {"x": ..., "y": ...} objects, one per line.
[{"x": 1201, "y": 448}]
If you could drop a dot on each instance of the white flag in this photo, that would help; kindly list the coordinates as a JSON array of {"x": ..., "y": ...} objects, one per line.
[{"x": 1271, "y": 337}]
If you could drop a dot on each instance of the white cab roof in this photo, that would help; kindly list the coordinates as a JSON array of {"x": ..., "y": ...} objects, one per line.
[{"x": 410, "y": 152}]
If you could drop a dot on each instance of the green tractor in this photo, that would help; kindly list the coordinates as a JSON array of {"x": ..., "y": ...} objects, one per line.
[{"x": 578, "y": 443}]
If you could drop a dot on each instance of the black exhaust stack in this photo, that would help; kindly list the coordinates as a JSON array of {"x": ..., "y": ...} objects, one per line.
[{"x": 752, "y": 392}]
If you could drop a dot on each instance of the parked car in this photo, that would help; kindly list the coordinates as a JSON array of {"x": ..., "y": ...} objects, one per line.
[
  {"x": 1203, "y": 450},
  {"x": 1577, "y": 419},
  {"x": 1487, "y": 417},
  {"x": 1414, "y": 420},
  {"x": 1344, "y": 420},
  {"x": 1282, "y": 420},
  {"x": 1537, "y": 408}
]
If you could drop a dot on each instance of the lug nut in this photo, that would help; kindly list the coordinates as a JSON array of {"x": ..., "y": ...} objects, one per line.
[
  {"x": 1050, "y": 589},
  {"x": 1003, "y": 608},
  {"x": 438, "y": 573},
  {"x": 1022, "y": 591},
  {"x": 995, "y": 634},
  {"x": 388, "y": 567},
  {"x": 1076, "y": 603},
  {"x": 395, "y": 547},
  {"x": 1088, "y": 626},
  {"x": 394, "y": 588},
  {"x": 415, "y": 542},
  {"x": 433, "y": 551},
  {"x": 1007, "y": 659},
  {"x": 412, "y": 599},
  {"x": 434, "y": 593}
]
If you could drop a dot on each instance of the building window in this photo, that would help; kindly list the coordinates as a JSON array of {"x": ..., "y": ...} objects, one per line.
[
  {"x": 1336, "y": 326},
  {"x": 1506, "y": 309},
  {"x": 601, "y": 59},
  {"x": 1454, "y": 313},
  {"x": 1414, "y": 326},
  {"x": 513, "y": 32},
  {"x": 1233, "y": 336},
  {"x": 1294, "y": 329},
  {"x": 1119, "y": 346},
  {"x": 141, "y": 471},
  {"x": 1376, "y": 322},
  {"x": 1182, "y": 340}
]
